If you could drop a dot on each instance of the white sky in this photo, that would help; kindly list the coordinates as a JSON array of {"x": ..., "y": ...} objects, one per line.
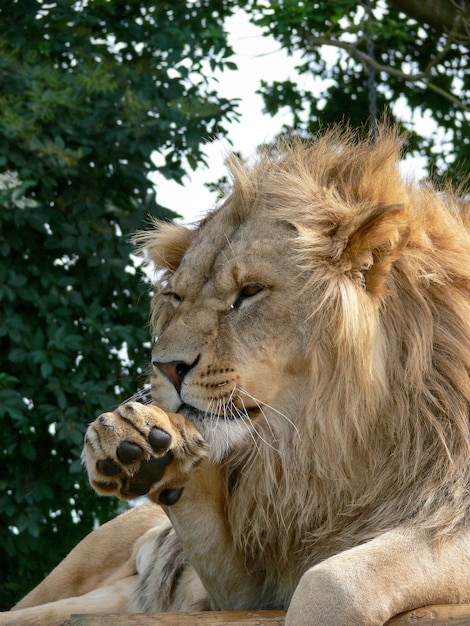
[{"x": 257, "y": 57}]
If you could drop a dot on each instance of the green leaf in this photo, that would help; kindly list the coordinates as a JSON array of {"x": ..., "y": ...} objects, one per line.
[
  {"x": 46, "y": 370},
  {"x": 28, "y": 450},
  {"x": 18, "y": 355}
]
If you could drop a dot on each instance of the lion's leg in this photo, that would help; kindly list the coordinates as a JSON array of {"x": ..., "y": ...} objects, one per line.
[
  {"x": 200, "y": 522},
  {"x": 141, "y": 449},
  {"x": 166, "y": 579},
  {"x": 98, "y": 575},
  {"x": 371, "y": 583},
  {"x": 105, "y": 555},
  {"x": 156, "y": 576},
  {"x": 112, "y": 598}
]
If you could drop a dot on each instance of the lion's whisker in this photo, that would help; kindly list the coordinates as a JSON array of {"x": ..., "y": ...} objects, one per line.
[
  {"x": 260, "y": 403},
  {"x": 141, "y": 395},
  {"x": 264, "y": 416},
  {"x": 245, "y": 419},
  {"x": 244, "y": 416}
]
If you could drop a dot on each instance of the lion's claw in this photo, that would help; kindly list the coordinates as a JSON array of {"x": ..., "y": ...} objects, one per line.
[
  {"x": 140, "y": 449},
  {"x": 170, "y": 496}
]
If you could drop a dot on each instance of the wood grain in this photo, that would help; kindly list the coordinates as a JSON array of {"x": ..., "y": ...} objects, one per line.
[{"x": 442, "y": 615}]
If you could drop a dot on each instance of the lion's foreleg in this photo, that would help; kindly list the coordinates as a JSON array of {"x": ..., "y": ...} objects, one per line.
[
  {"x": 98, "y": 575},
  {"x": 167, "y": 582},
  {"x": 369, "y": 584},
  {"x": 200, "y": 521},
  {"x": 112, "y": 598},
  {"x": 141, "y": 449},
  {"x": 103, "y": 556}
]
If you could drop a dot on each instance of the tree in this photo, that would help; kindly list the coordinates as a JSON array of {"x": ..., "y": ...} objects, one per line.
[
  {"x": 372, "y": 55},
  {"x": 445, "y": 16},
  {"x": 89, "y": 91}
]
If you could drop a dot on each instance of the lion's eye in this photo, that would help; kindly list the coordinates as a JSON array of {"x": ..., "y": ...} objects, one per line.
[
  {"x": 248, "y": 291},
  {"x": 172, "y": 298}
]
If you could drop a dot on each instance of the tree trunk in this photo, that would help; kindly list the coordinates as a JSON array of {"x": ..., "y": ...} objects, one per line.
[{"x": 442, "y": 15}]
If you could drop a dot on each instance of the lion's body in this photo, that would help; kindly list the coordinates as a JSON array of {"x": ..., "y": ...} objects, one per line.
[{"x": 315, "y": 328}]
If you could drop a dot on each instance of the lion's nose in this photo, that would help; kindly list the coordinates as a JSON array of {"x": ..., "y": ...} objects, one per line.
[{"x": 175, "y": 371}]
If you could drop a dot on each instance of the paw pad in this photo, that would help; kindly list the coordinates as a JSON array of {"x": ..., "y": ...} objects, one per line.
[
  {"x": 149, "y": 472},
  {"x": 129, "y": 452},
  {"x": 159, "y": 439},
  {"x": 108, "y": 467}
]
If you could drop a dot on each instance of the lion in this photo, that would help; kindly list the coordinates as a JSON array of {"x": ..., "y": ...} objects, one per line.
[{"x": 307, "y": 444}]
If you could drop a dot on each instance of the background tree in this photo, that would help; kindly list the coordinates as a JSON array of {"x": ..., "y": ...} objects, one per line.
[
  {"x": 409, "y": 57},
  {"x": 88, "y": 91}
]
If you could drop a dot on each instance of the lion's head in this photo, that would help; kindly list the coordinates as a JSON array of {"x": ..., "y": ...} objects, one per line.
[
  {"x": 316, "y": 328},
  {"x": 231, "y": 339}
]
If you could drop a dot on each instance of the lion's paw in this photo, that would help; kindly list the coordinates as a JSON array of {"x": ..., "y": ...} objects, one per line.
[{"x": 139, "y": 449}]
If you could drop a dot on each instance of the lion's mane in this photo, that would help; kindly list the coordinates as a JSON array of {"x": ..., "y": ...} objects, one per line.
[{"x": 384, "y": 435}]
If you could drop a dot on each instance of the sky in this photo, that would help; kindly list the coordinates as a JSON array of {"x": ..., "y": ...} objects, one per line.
[{"x": 256, "y": 57}]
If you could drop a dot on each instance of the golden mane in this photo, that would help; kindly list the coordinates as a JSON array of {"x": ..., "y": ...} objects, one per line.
[{"x": 384, "y": 433}]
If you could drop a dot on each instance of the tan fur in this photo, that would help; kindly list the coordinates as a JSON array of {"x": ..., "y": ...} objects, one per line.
[
  {"x": 99, "y": 574},
  {"x": 320, "y": 321}
]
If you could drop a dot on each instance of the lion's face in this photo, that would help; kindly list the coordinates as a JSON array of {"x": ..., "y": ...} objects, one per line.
[{"x": 233, "y": 334}]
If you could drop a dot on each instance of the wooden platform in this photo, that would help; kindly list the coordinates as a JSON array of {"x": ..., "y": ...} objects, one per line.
[{"x": 445, "y": 615}]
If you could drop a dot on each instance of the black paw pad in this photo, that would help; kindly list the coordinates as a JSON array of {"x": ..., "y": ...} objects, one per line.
[
  {"x": 129, "y": 452},
  {"x": 150, "y": 472},
  {"x": 159, "y": 439},
  {"x": 135, "y": 487},
  {"x": 108, "y": 467},
  {"x": 170, "y": 496}
]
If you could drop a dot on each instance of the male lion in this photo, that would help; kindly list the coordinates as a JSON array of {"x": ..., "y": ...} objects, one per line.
[{"x": 312, "y": 445}]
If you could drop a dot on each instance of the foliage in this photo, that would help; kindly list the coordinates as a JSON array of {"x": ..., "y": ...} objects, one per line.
[
  {"x": 370, "y": 58},
  {"x": 89, "y": 90}
]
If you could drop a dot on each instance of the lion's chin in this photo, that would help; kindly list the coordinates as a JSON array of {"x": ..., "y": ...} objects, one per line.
[
  {"x": 223, "y": 435},
  {"x": 193, "y": 414}
]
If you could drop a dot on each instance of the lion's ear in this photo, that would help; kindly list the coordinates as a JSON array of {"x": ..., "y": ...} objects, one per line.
[
  {"x": 373, "y": 244},
  {"x": 164, "y": 246}
]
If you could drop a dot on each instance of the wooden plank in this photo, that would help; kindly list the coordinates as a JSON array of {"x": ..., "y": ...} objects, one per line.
[
  {"x": 442, "y": 615},
  {"x": 208, "y": 618},
  {"x": 435, "y": 615}
]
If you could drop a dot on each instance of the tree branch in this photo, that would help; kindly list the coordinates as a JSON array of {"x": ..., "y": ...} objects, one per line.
[
  {"x": 368, "y": 62},
  {"x": 448, "y": 96},
  {"x": 444, "y": 16}
]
